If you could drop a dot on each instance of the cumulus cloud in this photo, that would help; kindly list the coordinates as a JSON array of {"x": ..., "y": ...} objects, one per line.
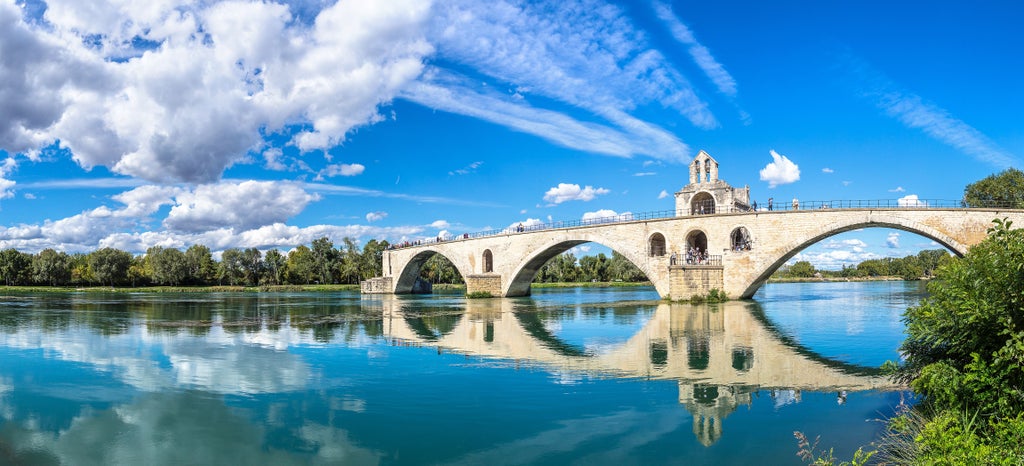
[
  {"x": 898, "y": 189},
  {"x": 854, "y": 245},
  {"x": 528, "y": 223},
  {"x": 663, "y": 194},
  {"x": 375, "y": 216},
  {"x": 911, "y": 200},
  {"x": 780, "y": 170},
  {"x": 340, "y": 169},
  {"x": 607, "y": 215},
  {"x": 893, "y": 240},
  {"x": 211, "y": 76},
  {"x": 440, "y": 224},
  {"x": 240, "y": 206},
  {"x": 572, "y": 192},
  {"x": 827, "y": 170}
]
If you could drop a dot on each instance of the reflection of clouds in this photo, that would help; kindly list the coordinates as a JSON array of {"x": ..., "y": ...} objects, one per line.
[
  {"x": 220, "y": 361},
  {"x": 159, "y": 429}
]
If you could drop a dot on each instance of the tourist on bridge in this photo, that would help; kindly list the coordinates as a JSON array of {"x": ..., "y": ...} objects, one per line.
[{"x": 770, "y": 200}]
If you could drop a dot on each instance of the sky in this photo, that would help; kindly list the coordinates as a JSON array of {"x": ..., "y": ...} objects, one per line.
[{"x": 133, "y": 124}]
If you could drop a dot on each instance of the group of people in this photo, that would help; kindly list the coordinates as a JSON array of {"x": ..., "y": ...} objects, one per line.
[{"x": 693, "y": 256}]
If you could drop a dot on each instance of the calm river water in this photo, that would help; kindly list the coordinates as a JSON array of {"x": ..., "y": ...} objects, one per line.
[{"x": 588, "y": 376}]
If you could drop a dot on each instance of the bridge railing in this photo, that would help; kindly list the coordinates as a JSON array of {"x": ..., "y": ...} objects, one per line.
[{"x": 756, "y": 206}]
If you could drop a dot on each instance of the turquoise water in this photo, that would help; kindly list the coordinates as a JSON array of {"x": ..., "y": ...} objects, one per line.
[{"x": 567, "y": 376}]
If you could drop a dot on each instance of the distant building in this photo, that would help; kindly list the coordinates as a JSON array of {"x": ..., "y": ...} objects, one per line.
[{"x": 706, "y": 194}]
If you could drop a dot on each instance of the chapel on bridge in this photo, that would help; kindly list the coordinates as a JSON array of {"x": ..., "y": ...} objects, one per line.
[{"x": 706, "y": 194}]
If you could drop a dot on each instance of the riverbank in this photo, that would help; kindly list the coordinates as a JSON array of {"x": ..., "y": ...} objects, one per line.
[
  {"x": 890, "y": 278},
  {"x": 176, "y": 289}
]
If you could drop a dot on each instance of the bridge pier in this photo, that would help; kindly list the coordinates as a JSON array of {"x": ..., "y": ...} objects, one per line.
[
  {"x": 688, "y": 281},
  {"x": 478, "y": 284}
]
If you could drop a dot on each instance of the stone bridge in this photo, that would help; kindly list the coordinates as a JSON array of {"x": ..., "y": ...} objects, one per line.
[{"x": 744, "y": 246}]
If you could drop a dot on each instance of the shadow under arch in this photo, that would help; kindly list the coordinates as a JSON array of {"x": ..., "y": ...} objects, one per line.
[
  {"x": 407, "y": 278},
  {"x": 433, "y": 324},
  {"x": 828, "y": 231},
  {"x": 532, "y": 324},
  {"x": 525, "y": 273}
]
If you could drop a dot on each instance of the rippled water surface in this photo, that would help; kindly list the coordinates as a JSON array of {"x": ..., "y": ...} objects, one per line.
[{"x": 578, "y": 375}]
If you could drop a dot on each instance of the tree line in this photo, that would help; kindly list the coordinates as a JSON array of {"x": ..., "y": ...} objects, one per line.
[
  {"x": 912, "y": 267},
  {"x": 319, "y": 263}
]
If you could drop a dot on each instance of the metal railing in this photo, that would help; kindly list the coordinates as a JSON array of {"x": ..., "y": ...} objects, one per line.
[{"x": 765, "y": 207}]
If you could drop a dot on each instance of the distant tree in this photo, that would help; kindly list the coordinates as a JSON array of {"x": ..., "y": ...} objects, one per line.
[
  {"x": 252, "y": 266},
  {"x": 325, "y": 260},
  {"x": 110, "y": 266},
  {"x": 15, "y": 266},
  {"x": 802, "y": 269},
  {"x": 620, "y": 268},
  {"x": 350, "y": 261},
  {"x": 51, "y": 267},
  {"x": 373, "y": 253},
  {"x": 301, "y": 266},
  {"x": 80, "y": 271},
  {"x": 275, "y": 267},
  {"x": 231, "y": 270},
  {"x": 438, "y": 269},
  {"x": 201, "y": 267},
  {"x": 167, "y": 265},
  {"x": 594, "y": 268},
  {"x": 1005, "y": 189}
]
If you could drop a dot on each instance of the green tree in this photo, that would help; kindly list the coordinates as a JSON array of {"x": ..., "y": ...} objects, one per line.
[
  {"x": 201, "y": 267},
  {"x": 1005, "y": 189},
  {"x": 301, "y": 266},
  {"x": 325, "y": 260},
  {"x": 51, "y": 267},
  {"x": 372, "y": 256},
  {"x": 80, "y": 271},
  {"x": 231, "y": 269},
  {"x": 276, "y": 267},
  {"x": 15, "y": 267},
  {"x": 594, "y": 268},
  {"x": 620, "y": 268},
  {"x": 802, "y": 269},
  {"x": 110, "y": 266},
  {"x": 964, "y": 349},
  {"x": 252, "y": 266},
  {"x": 349, "y": 261},
  {"x": 438, "y": 269},
  {"x": 168, "y": 266}
]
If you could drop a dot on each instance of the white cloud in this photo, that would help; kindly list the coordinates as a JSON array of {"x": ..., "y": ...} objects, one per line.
[
  {"x": 440, "y": 225},
  {"x": 914, "y": 112},
  {"x": 607, "y": 215},
  {"x": 239, "y": 206},
  {"x": 645, "y": 174},
  {"x": 340, "y": 169},
  {"x": 522, "y": 212},
  {"x": 827, "y": 170},
  {"x": 898, "y": 189},
  {"x": 854, "y": 245},
  {"x": 911, "y": 200},
  {"x": 375, "y": 216},
  {"x": 701, "y": 55},
  {"x": 780, "y": 171},
  {"x": 471, "y": 168},
  {"x": 529, "y": 222},
  {"x": 833, "y": 259},
  {"x": 663, "y": 194},
  {"x": 893, "y": 240},
  {"x": 572, "y": 192}
]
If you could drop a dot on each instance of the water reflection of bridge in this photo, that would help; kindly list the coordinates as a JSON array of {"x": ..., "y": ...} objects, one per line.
[{"x": 720, "y": 354}]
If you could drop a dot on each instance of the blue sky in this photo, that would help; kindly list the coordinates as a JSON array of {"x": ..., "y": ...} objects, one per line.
[{"x": 242, "y": 124}]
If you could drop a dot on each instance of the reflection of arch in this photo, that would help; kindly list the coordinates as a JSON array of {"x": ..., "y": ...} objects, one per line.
[
  {"x": 742, "y": 358},
  {"x": 488, "y": 261},
  {"x": 433, "y": 327},
  {"x": 697, "y": 240},
  {"x": 407, "y": 278},
  {"x": 523, "y": 276},
  {"x": 656, "y": 245},
  {"x": 703, "y": 203},
  {"x": 739, "y": 239},
  {"x": 531, "y": 322},
  {"x": 698, "y": 351}
]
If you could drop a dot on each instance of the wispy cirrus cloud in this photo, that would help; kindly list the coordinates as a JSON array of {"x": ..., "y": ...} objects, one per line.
[
  {"x": 701, "y": 55},
  {"x": 915, "y": 112}
]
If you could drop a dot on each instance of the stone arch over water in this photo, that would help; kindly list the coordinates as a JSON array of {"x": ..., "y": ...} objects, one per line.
[
  {"x": 407, "y": 277},
  {"x": 523, "y": 274},
  {"x": 785, "y": 252}
]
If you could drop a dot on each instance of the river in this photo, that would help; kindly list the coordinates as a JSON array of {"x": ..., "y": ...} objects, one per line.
[{"x": 566, "y": 376}]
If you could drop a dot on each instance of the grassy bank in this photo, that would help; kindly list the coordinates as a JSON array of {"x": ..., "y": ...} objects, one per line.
[
  {"x": 588, "y": 284},
  {"x": 774, "y": 279},
  {"x": 176, "y": 289}
]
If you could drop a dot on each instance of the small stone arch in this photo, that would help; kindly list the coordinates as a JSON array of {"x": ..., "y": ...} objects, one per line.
[
  {"x": 703, "y": 203},
  {"x": 656, "y": 245},
  {"x": 697, "y": 240},
  {"x": 408, "y": 276},
  {"x": 740, "y": 240},
  {"x": 488, "y": 261}
]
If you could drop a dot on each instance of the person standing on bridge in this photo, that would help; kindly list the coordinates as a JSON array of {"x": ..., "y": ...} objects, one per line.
[{"x": 770, "y": 201}]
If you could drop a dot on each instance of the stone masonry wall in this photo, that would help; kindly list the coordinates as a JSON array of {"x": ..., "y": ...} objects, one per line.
[
  {"x": 685, "y": 282},
  {"x": 488, "y": 283}
]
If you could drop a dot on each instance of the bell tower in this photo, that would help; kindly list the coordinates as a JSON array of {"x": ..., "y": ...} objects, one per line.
[{"x": 706, "y": 194}]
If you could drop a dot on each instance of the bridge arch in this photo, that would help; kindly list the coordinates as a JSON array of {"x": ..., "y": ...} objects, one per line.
[
  {"x": 703, "y": 203},
  {"x": 524, "y": 273},
  {"x": 407, "y": 276},
  {"x": 785, "y": 252}
]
